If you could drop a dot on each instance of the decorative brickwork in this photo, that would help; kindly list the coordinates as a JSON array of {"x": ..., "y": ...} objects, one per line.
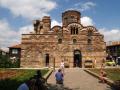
[{"x": 71, "y": 42}]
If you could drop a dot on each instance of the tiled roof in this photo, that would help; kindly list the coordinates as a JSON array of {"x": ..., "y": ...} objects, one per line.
[{"x": 16, "y": 46}]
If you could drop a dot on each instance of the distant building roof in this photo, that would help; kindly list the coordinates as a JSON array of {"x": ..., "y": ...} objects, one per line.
[
  {"x": 1, "y": 50},
  {"x": 114, "y": 43},
  {"x": 16, "y": 46}
]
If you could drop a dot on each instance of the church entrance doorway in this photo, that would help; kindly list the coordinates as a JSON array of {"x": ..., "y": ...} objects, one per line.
[
  {"x": 47, "y": 60},
  {"x": 77, "y": 58}
]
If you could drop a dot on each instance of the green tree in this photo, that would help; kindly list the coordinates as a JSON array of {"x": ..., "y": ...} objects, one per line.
[
  {"x": 5, "y": 62},
  {"x": 118, "y": 52}
]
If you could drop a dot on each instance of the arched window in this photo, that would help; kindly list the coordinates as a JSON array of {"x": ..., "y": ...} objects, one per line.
[
  {"x": 89, "y": 33},
  {"x": 47, "y": 59},
  {"x": 89, "y": 41},
  {"x": 65, "y": 20},
  {"x": 59, "y": 41},
  {"x": 74, "y": 30},
  {"x": 72, "y": 17},
  {"x": 74, "y": 41}
]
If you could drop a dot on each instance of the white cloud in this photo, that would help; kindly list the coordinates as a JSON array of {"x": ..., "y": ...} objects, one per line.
[
  {"x": 54, "y": 22},
  {"x": 110, "y": 35},
  {"x": 26, "y": 29},
  {"x": 87, "y": 6},
  {"x": 87, "y": 21},
  {"x": 7, "y": 34},
  {"x": 84, "y": 6},
  {"x": 9, "y": 37},
  {"x": 29, "y": 8}
]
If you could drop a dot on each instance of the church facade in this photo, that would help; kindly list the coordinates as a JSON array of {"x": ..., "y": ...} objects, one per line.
[{"x": 72, "y": 42}]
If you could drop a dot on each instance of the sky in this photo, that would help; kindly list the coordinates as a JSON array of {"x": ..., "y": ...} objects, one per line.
[{"x": 16, "y": 17}]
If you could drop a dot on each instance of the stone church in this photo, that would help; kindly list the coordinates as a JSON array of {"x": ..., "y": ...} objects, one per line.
[{"x": 72, "y": 42}]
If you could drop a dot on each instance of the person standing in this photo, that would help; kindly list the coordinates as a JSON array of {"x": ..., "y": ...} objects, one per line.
[
  {"x": 62, "y": 65},
  {"x": 103, "y": 63},
  {"x": 95, "y": 63},
  {"x": 77, "y": 65}
]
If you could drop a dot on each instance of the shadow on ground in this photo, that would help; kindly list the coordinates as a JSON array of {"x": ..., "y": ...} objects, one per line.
[
  {"x": 60, "y": 87},
  {"x": 110, "y": 87},
  {"x": 57, "y": 87}
]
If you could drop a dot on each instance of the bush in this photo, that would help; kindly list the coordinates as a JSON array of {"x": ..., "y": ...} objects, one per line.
[{"x": 117, "y": 85}]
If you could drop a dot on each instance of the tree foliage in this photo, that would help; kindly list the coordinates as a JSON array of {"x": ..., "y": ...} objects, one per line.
[
  {"x": 118, "y": 52},
  {"x": 5, "y": 62}
]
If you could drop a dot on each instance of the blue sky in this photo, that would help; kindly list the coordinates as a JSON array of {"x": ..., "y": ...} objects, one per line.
[{"x": 16, "y": 16}]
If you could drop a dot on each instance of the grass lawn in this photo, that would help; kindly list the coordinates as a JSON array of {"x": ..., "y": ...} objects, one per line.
[
  {"x": 112, "y": 73},
  {"x": 10, "y": 79}
]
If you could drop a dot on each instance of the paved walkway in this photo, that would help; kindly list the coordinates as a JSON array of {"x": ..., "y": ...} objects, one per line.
[{"x": 77, "y": 79}]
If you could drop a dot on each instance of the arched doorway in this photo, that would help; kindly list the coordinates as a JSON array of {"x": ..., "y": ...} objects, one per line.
[
  {"x": 77, "y": 58},
  {"x": 47, "y": 59}
]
